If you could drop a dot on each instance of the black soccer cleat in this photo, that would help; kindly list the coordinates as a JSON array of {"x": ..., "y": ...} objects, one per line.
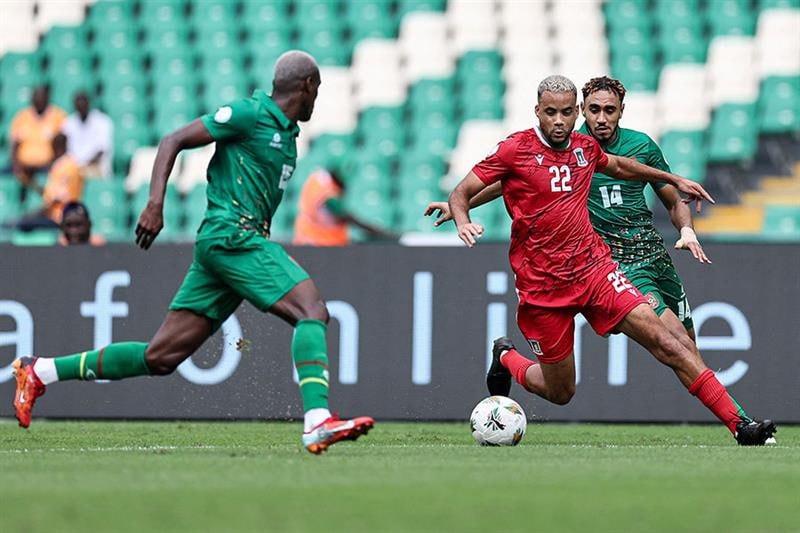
[
  {"x": 498, "y": 378},
  {"x": 754, "y": 433}
]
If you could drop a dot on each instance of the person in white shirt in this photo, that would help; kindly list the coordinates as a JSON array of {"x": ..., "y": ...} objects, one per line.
[{"x": 90, "y": 138}]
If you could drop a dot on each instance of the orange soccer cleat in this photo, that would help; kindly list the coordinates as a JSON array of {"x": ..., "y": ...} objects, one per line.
[
  {"x": 29, "y": 387},
  {"x": 333, "y": 429}
]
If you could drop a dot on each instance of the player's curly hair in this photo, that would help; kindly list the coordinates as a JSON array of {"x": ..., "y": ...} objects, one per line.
[{"x": 604, "y": 83}]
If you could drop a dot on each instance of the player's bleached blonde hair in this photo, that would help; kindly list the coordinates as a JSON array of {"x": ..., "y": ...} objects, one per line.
[
  {"x": 556, "y": 84},
  {"x": 292, "y": 68}
]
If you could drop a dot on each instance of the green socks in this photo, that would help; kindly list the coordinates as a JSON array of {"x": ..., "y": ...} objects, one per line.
[
  {"x": 309, "y": 351},
  {"x": 115, "y": 361}
]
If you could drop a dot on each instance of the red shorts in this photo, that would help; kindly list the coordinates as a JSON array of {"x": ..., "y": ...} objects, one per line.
[{"x": 548, "y": 319}]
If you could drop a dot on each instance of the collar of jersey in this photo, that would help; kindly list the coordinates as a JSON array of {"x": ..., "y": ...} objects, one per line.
[
  {"x": 275, "y": 111},
  {"x": 546, "y": 143}
]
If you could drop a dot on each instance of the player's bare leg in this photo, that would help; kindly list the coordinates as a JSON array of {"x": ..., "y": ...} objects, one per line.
[
  {"x": 554, "y": 382},
  {"x": 181, "y": 333},
  {"x": 680, "y": 354},
  {"x": 303, "y": 308}
]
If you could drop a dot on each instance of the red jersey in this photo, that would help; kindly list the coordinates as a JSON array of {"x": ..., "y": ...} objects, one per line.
[{"x": 553, "y": 243}]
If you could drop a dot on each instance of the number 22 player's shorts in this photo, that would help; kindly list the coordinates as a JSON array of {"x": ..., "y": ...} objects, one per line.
[
  {"x": 227, "y": 270},
  {"x": 547, "y": 318}
]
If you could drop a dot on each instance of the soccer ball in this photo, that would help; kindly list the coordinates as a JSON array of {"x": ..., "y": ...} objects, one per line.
[{"x": 497, "y": 421}]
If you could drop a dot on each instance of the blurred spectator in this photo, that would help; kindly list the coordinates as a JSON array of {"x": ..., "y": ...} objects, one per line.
[
  {"x": 76, "y": 227},
  {"x": 323, "y": 219},
  {"x": 90, "y": 135},
  {"x": 32, "y": 132},
  {"x": 64, "y": 185}
]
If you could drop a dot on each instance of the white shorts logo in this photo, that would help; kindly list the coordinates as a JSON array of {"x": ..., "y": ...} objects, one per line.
[{"x": 223, "y": 114}]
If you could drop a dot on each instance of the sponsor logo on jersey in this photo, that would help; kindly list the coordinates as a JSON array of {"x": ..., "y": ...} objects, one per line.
[
  {"x": 539, "y": 158},
  {"x": 223, "y": 114},
  {"x": 535, "y": 347},
  {"x": 276, "y": 141},
  {"x": 582, "y": 162},
  {"x": 652, "y": 300}
]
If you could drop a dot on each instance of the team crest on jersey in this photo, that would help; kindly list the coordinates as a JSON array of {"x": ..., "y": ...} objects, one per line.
[
  {"x": 580, "y": 158},
  {"x": 276, "y": 141},
  {"x": 535, "y": 347},
  {"x": 539, "y": 158},
  {"x": 652, "y": 300}
]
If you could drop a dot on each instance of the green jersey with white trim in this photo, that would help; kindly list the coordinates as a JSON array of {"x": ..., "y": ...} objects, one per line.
[
  {"x": 618, "y": 209},
  {"x": 254, "y": 159}
]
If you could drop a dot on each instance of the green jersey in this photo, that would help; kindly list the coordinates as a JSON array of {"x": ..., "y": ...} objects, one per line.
[
  {"x": 254, "y": 159},
  {"x": 617, "y": 208}
]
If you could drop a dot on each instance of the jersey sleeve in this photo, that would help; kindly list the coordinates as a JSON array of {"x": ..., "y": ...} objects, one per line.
[
  {"x": 233, "y": 121},
  {"x": 495, "y": 166},
  {"x": 656, "y": 159}
]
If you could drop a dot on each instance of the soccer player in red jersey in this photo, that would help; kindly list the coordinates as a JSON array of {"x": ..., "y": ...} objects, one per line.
[{"x": 563, "y": 267}]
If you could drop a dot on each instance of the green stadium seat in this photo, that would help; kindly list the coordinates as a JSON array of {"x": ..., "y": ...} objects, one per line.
[
  {"x": 220, "y": 42},
  {"x": 222, "y": 64},
  {"x": 371, "y": 18},
  {"x": 326, "y": 44},
  {"x": 14, "y": 97},
  {"x": 683, "y": 43},
  {"x": 782, "y": 221},
  {"x": 319, "y": 13},
  {"x": 121, "y": 65},
  {"x": 636, "y": 70},
  {"x": 734, "y": 133},
  {"x": 771, "y": 4},
  {"x": 69, "y": 75},
  {"x": 111, "y": 14},
  {"x": 436, "y": 141},
  {"x": 64, "y": 41},
  {"x": 120, "y": 39},
  {"x": 168, "y": 119},
  {"x": 479, "y": 66},
  {"x": 685, "y": 152},
  {"x": 128, "y": 140},
  {"x": 218, "y": 91},
  {"x": 195, "y": 204},
  {"x": 173, "y": 64},
  {"x": 173, "y": 210},
  {"x": 779, "y": 103},
  {"x": 421, "y": 170},
  {"x": 730, "y": 17},
  {"x": 123, "y": 95},
  {"x": 106, "y": 201},
  {"x": 381, "y": 129},
  {"x": 677, "y": 12},
  {"x": 258, "y": 15},
  {"x": 282, "y": 226},
  {"x": 40, "y": 237},
  {"x": 333, "y": 147},
  {"x": 432, "y": 95},
  {"x": 622, "y": 14},
  {"x": 367, "y": 172},
  {"x": 157, "y": 40},
  {"x": 405, "y": 7},
  {"x": 411, "y": 205},
  {"x": 158, "y": 14},
  {"x": 482, "y": 101},
  {"x": 10, "y": 208},
  {"x": 209, "y": 15}
]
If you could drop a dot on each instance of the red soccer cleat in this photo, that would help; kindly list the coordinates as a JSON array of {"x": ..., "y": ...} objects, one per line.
[
  {"x": 29, "y": 387},
  {"x": 333, "y": 429}
]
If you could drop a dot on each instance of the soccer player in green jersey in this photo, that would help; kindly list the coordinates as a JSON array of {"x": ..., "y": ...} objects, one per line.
[{"x": 234, "y": 259}]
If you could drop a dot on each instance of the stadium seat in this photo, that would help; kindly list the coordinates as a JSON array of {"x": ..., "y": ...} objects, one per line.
[
  {"x": 9, "y": 198},
  {"x": 173, "y": 211},
  {"x": 195, "y": 203},
  {"x": 123, "y": 65},
  {"x": 730, "y": 17},
  {"x": 370, "y": 19},
  {"x": 778, "y": 104},
  {"x": 107, "y": 201},
  {"x": 326, "y": 43},
  {"x": 682, "y": 42},
  {"x": 158, "y": 14},
  {"x": 210, "y": 15},
  {"x": 333, "y": 146},
  {"x": 432, "y": 95},
  {"x": 685, "y": 152},
  {"x": 782, "y": 221},
  {"x": 64, "y": 41},
  {"x": 110, "y": 14},
  {"x": 404, "y": 7},
  {"x": 733, "y": 134},
  {"x": 260, "y": 16}
]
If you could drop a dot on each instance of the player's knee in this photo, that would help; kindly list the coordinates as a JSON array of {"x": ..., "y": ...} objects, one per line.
[
  {"x": 316, "y": 310},
  {"x": 562, "y": 395},
  {"x": 158, "y": 362}
]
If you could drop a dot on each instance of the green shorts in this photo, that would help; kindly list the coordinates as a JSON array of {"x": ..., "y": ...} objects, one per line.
[
  {"x": 660, "y": 283},
  {"x": 227, "y": 270}
]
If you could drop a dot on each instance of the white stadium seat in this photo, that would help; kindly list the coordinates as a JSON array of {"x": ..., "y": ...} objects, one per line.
[
  {"x": 193, "y": 170},
  {"x": 778, "y": 42},
  {"x": 425, "y": 46},
  {"x": 141, "y": 168},
  {"x": 376, "y": 73},
  {"x": 731, "y": 70},
  {"x": 641, "y": 113},
  {"x": 59, "y": 12},
  {"x": 334, "y": 111},
  {"x": 682, "y": 97},
  {"x": 475, "y": 140},
  {"x": 473, "y": 25}
]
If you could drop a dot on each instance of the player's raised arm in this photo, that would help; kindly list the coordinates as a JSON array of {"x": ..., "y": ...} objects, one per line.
[
  {"x": 151, "y": 220},
  {"x": 492, "y": 192},
  {"x": 681, "y": 217},
  {"x": 468, "y": 231},
  {"x": 630, "y": 169}
]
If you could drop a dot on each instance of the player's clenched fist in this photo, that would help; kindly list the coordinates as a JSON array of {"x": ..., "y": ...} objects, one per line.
[
  {"x": 469, "y": 233},
  {"x": 151, "y": 221}
]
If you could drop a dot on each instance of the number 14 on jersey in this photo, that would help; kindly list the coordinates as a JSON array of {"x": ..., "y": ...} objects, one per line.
[{"x": 615, "y": 198}]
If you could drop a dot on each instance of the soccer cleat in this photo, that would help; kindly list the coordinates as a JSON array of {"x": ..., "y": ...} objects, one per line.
[
  {"x": 754, "y": 433},
  {"x": 29, "y": 387},
  {"x": 498, "y": 378},
  {"x": 333, "y": 430}
]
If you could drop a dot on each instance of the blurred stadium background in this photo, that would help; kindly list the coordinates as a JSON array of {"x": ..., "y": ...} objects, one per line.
[{"x": 415, "y": 91}]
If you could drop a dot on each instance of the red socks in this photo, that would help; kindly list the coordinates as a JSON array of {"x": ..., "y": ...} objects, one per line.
[
  {"x": 713, "y": 394},
  {"x": 517, "y": 365}
]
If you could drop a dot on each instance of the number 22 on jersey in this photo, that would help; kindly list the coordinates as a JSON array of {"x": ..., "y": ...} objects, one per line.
[{"x": 560, "y": 180}]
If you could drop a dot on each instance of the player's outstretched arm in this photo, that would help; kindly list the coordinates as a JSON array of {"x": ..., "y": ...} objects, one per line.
[
  {"x": 458, "y": 201},
  {"x": 151, "y": 220},
  {"x": 630, "y": 169},
  {"x": 492, "y": 192},
  {"x": 681, "y": 217}
]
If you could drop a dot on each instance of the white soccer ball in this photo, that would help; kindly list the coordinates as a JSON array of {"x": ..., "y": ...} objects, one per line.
[{"x": 498, "y": 421}]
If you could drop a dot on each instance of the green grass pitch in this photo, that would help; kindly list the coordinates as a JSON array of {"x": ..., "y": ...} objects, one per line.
[{"x": 247, "y": 476}]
